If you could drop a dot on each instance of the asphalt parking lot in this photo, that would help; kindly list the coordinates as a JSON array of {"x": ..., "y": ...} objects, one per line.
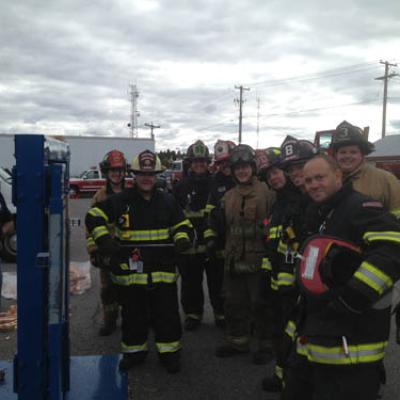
[{"x": 203, "y": 376}]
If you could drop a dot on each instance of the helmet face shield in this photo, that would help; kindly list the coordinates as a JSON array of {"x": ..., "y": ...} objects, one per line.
[{"x": 242, "y": 154}]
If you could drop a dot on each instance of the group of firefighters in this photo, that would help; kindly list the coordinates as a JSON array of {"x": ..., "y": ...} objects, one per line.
[{"x": 301, "y": 252}]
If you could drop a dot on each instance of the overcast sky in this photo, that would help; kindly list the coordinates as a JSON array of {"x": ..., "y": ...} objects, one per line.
[{"x": 66, "y": 67}]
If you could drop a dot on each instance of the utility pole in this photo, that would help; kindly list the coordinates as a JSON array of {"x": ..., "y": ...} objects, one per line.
[
  {"x": 385, "y": 79},
  {"x": 241, "y": 101},
  {"x": 152, "y": 127},
  {"x": 258, "y": 120}
]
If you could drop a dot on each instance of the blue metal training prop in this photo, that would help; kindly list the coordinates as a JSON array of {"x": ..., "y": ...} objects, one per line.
[{"x": 43, "y": 368}]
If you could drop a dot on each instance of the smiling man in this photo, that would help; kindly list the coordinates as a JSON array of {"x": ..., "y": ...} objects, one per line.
[
  {"x": 149, "y": 227},
  {"x": 350, "y": 148},
  {"x": 344, "y": 330}
]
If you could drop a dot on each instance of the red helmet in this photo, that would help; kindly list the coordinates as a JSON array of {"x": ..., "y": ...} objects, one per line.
[
  {"x": 326, "y": 263},
  {"x": 113, "y": 159},
  {"x": 223, "y": 150}
]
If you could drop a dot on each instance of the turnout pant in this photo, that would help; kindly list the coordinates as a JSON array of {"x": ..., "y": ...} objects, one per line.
[
  {"x": 156, "y": 307},
  {"x": 245, "y": 307},
  {"x": 282, "y": 307},
  {"x": 191, "y": 268},
  {"x": 311, "y": 381},
  {"x": 108, "y": 291}
]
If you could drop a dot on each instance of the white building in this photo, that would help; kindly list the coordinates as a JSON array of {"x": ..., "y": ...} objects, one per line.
[{"x": 86, "y": 151}]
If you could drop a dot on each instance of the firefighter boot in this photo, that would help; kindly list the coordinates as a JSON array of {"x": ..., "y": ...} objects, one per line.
[
  {"x": 272, "y": 384},
  {"x": 129, "y": 360},
  {"x": 171, "y": 361},
  {"x": 110, "y": 316}
]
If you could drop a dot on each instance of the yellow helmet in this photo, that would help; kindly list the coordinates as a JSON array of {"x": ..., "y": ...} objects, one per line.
[{"x": 146, "y": 161}]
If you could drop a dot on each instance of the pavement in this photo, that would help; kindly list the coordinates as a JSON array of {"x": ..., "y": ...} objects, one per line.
[{"x": 203, "y": 376}]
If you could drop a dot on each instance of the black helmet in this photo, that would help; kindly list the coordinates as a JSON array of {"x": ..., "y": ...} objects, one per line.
[
  {"x": 198, "y": 150},
  {"x": 243, "y": 154},
  {"x": 347, "y": 134},
  {"x": 295, "y": 151}
]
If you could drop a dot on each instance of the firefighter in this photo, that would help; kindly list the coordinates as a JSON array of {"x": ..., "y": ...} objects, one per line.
[
  {"x": 269, "y": 169},
  {"x": 113, "y": 167},
  {"x": 221, "y": 182},
  {"x": 241, "y": 216},
  {"x": 347, "y": 273},
  {"x": 286, "y": 233},
  {"x": 7, "y": 226},
  {"x": 149, "y": 225},
  {"x": 350, "y": 148},
  {"x": 290, "y": 231},
  {"x": 192, "y": 193}
]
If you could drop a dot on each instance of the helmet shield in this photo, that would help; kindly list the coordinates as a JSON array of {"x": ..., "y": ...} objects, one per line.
[
  {"x": 146, "y": 162},
  {"x": 222, "y": 150},
  {"x": 198, "y": 150}
]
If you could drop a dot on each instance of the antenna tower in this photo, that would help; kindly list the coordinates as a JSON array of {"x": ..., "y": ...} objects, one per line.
[{"x": 133, "y": 125}]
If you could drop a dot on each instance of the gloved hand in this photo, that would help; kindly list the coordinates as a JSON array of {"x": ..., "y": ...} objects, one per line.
[
  {"x": 211, "y": 248},
  {"x": 95, "y": 259},
  {"x": 108, "y": 246},
  {"x": 182, "y": 245},
  {"x": 99, "y": 261}
]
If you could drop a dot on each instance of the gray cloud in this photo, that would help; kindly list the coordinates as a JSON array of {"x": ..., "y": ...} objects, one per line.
[{"x": 67, "y": 64}]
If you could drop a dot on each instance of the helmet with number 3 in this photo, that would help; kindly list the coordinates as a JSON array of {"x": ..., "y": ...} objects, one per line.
[{"x": 347, "y": 134}]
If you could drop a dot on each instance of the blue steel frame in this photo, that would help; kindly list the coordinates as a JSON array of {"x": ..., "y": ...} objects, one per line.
[{"x": 43, "y": 368}]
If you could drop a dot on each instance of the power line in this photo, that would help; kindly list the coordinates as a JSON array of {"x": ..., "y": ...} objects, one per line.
[
  {"x": 304, "y": 78},
  {"x": 292, "y": 112},
  {"x": 318, "y": 75}
]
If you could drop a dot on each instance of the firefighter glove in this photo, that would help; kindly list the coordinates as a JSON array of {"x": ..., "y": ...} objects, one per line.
[{"x": 98, "y": 260}]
